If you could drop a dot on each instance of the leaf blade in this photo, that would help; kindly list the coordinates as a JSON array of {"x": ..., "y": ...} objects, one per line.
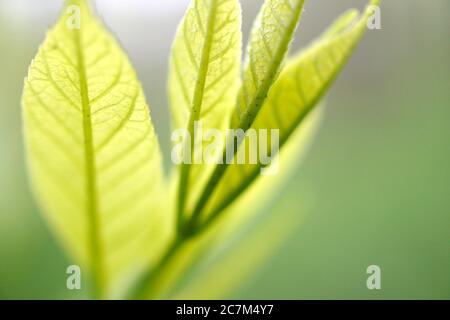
[
  {"x": 270, "y": 38},
  {"x": 86, "y": 120},
  {"x": 204, "y": 79},
  {"x": 296, "y": 92}
]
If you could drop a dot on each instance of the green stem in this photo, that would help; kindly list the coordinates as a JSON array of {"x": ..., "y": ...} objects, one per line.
[
  {"x": 217, "y": 174},
  {"x": 206, "y": 194},
  {"x": 182, "y": 186},
  {"x": 147, "y": 285}
]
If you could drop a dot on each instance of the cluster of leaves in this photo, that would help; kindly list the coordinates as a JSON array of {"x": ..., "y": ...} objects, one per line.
[{"x": 94, "y": 157}]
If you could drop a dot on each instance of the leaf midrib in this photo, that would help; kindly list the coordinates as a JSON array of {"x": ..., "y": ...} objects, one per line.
[
  {"x": 253, "y": 108},
  {"x": 94, "y": 247},
  {"x": 196, "y": 106}
]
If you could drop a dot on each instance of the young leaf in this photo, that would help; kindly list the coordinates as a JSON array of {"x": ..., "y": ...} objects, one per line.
[
  {"x": 204, "y": 78},
  {"x": 269, "y": 41},
  {"x": 298, "y": 89},
  {"x": 225, "y": 234},
  {"x": 92, "y": 151},
  {"x": 245, "y": 252}
]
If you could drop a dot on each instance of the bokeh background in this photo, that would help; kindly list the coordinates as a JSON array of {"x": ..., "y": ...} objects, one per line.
[{"x": 377, "y": 178}]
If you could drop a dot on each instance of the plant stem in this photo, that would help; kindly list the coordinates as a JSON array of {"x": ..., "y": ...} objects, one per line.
[
  {"x": 184, "y": 179},
  {"x": 209, "y": 189},
  {"x": 217, "y": 174},
  {"x": 147, "y": 285}
]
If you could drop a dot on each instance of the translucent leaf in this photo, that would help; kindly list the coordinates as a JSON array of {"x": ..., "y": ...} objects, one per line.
[
  {"x": 283, "y": 110},
  {"x": 301, "y": 84},
  {"x": 252, "y": 228},
  {"x": 191, "y": 267},
  {"x": 92, "y": 151},
  {"x": 269, "y": 41},
  {"x": 204, "y": 78}
]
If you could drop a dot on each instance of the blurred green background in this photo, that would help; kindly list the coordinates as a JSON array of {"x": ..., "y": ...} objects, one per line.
[{"x": 377, "y": 176}]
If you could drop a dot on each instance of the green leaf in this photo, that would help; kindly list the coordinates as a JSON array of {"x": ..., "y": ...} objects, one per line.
[
  {"x": 300, "y": 86},
  {"x": 271, "y": 35},
  {"x": 269, "y": 41},
  {"x": 235, "y": 247},
  {"x": 204, "y": 78},
  {"x": 226, "y": 233},
  {"x": 92, "y": 151}
]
